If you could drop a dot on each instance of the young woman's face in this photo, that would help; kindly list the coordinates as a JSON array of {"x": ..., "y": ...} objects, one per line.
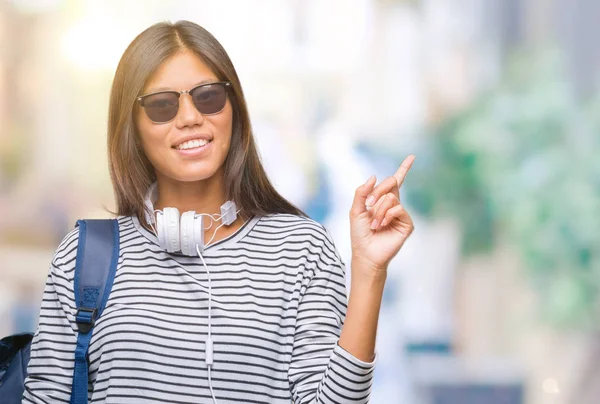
[{"x": 166, "y": 144}]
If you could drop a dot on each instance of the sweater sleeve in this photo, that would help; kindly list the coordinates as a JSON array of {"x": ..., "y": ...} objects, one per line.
[
  {"x": 50, "y": 368},
  {"x": 322, "y": 372}
]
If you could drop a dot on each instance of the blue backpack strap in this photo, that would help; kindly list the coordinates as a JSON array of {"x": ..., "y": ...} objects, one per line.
[{"x": 95, "y": 268}]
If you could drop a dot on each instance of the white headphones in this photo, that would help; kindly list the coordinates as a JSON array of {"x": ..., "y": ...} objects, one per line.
[{"x": 184, "y": 232}]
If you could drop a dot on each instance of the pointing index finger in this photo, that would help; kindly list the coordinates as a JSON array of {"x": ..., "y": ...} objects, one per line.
[{"x": 400, "y": 175}]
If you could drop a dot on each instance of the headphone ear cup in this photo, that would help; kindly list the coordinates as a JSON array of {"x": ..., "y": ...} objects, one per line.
[
  {"x": 160, "y": 230},
  {"x": 171, "y": 229},
  {"x": 187, "y": 232},
  {"x": 198, "y": 233},
  {"x": 192, "y": 233}
]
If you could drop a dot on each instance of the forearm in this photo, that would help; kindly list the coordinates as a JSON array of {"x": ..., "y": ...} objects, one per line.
[
  {"x": 360, "y": 327},
  {"x": 317, "y": 378}
]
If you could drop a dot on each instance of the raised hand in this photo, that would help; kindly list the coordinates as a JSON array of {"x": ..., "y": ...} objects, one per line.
[{"x": 379, "y": 224}]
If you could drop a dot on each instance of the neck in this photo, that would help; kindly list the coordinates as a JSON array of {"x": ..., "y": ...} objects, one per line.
[{"x": 204, "y": 196}]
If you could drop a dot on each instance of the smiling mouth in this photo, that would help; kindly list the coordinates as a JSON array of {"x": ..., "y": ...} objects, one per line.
[{"x": 192, "y": 144}]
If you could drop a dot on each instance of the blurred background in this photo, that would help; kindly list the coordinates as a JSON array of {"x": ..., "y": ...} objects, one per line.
[{"x": 494, "y": 298}]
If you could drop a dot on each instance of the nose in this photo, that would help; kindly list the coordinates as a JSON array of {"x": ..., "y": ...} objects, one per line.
[{"x": 188, "y": 114}]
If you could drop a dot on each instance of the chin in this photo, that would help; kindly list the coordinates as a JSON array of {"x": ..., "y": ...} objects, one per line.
[{"x": 192, "y": 176}]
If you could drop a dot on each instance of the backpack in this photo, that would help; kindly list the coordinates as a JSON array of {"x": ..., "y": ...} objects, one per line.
[{"x": 95, "y": 268}]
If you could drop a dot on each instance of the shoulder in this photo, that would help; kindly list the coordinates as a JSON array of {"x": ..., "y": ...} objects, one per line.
[
  {"x": 297, "y": 229},
  {"x": 294, "y": 225},
  {"x": 66, "y": 252}
]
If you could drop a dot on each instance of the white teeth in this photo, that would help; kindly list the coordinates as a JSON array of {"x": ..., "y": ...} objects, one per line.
[{"x": 190, "y": 144}]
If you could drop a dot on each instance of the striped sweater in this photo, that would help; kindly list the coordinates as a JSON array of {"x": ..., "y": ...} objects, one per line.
[{"x": 278, "y": 305}]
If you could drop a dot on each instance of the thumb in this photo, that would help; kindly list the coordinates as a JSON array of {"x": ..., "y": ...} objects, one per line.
[{"x": 360, "y": 196}]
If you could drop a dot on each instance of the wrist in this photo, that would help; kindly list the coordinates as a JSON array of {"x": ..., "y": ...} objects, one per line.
[{"x": 367, "y": 272}]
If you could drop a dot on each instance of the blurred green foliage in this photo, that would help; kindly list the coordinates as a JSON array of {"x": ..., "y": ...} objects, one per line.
[{"x": 522, "y": 164}]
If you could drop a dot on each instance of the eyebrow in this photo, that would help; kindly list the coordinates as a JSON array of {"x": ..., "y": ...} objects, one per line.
[{"x": 157, "y": 89}]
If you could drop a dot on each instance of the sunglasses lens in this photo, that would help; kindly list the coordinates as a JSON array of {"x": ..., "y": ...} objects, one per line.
[
  {"x": 161, "y": 107},
  {"x": 209, "y": 99}
]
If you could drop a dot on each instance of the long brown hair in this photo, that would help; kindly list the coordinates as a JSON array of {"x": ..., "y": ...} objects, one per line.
[{"x": 132, "y": 173}]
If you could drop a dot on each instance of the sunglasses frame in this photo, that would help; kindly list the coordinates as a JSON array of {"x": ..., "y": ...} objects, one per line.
[{"x": 225, "y": 84}]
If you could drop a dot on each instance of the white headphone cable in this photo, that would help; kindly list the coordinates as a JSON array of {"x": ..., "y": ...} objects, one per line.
[
  {"x": 215, "y": 232},
  {"x": 213, "y": 236},
  {"x": 209, "y": 342}
]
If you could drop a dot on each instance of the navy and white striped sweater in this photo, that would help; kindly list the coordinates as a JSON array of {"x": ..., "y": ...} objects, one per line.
[{"x": 278, "y": 305}]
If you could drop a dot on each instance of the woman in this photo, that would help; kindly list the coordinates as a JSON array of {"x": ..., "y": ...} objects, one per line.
[{"x": 179, "y": 136}]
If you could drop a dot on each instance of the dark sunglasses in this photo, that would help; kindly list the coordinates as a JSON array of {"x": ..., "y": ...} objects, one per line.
[{"x": 208, "y": 98}]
